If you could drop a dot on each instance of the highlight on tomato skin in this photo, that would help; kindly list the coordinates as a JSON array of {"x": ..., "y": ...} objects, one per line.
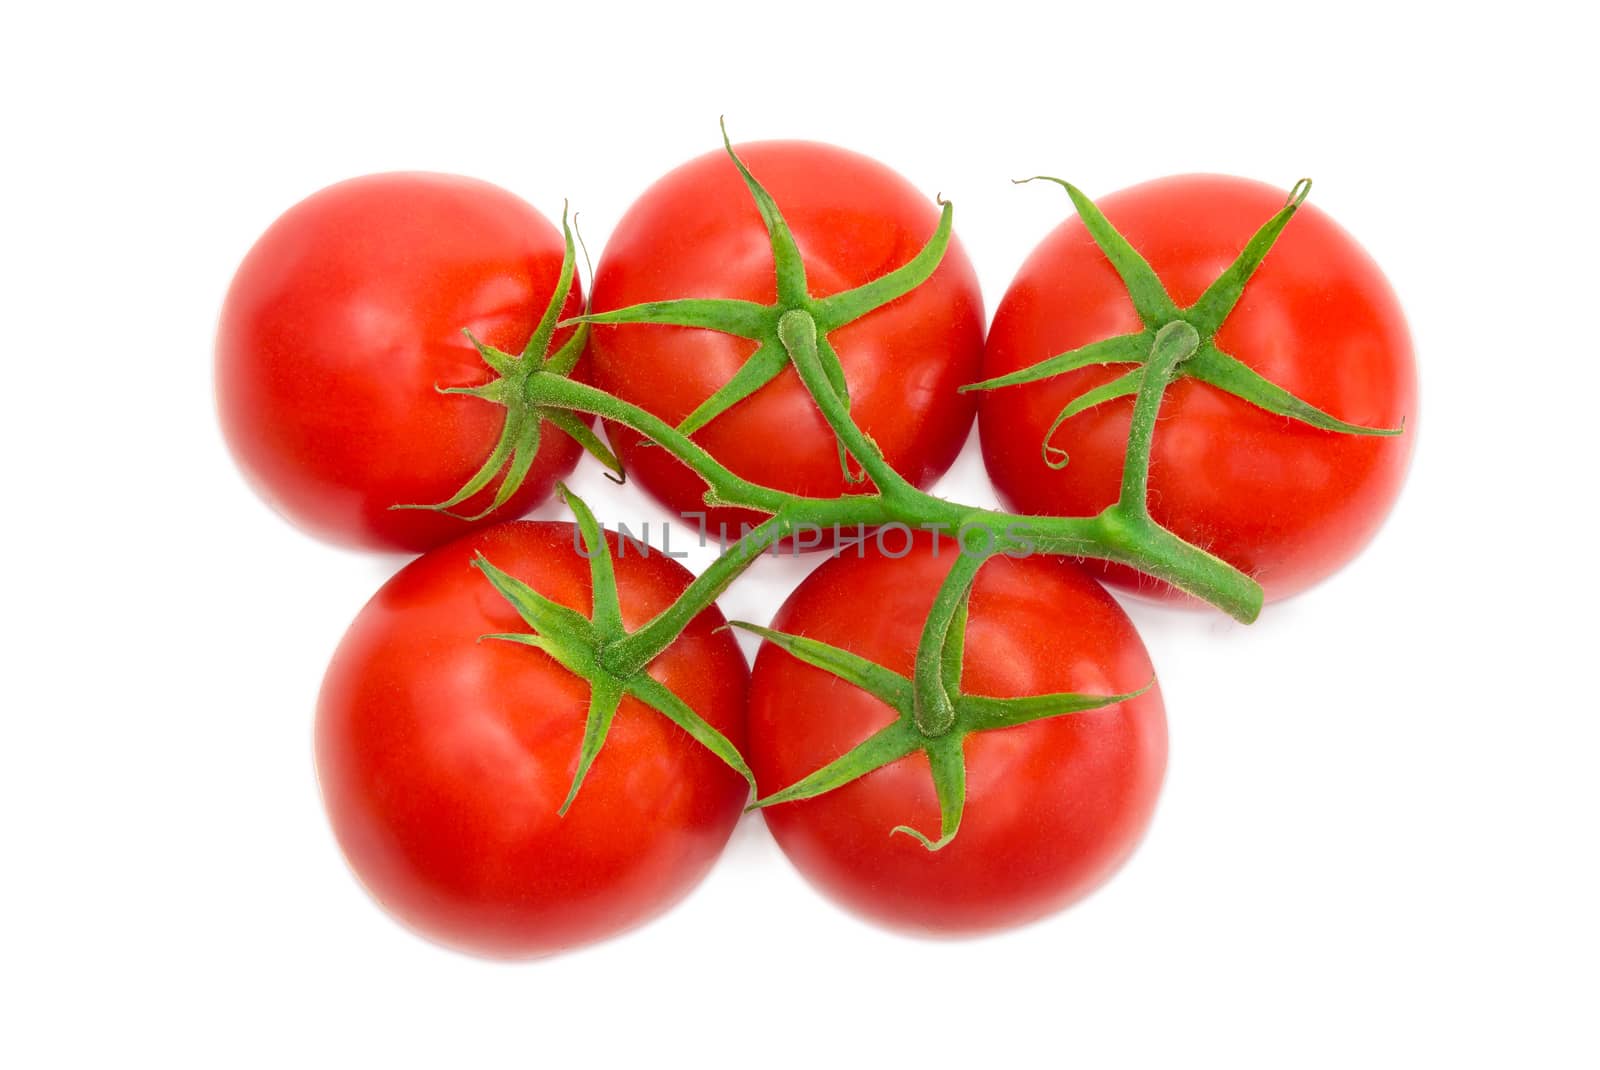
[
  {"x": 1053, "y": 807},
  {"x": 444, "y": 760},
  {"x": 696, "y": 233},
  {"x": 1286, "y": 503},
  {"x": 341, "y": 325}
]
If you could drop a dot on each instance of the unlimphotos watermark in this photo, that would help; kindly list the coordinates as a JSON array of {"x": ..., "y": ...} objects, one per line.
[{"x": 892, "y": 540}]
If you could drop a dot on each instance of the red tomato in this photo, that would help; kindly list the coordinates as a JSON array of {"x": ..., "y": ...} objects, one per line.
[
  {"x": 443, "y": 760},
  {"x": 697, "y": 233},
  {"x": 339, "y": 325},
  {"x": 1053, "y": 807},
  {"x": 1286, "y": 503}
]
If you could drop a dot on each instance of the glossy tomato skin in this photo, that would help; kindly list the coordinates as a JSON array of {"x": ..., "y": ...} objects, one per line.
[
  {"x": 1285, "y": 502},
  {"x": 443, "y": 760},
  {"x": 696, "y": 233},
  {"x": 340, "y": 324},
  {"x": 1053, "y": 807}
]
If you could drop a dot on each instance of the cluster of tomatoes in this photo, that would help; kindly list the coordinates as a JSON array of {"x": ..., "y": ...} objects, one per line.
[{"x": 354, "y": 376}]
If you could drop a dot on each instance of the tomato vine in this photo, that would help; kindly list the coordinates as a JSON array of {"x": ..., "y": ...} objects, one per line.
[{"x": 933, "y": 714}]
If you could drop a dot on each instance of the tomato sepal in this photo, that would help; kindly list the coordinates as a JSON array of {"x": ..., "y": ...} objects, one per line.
[
  {"x": 1228, "y": 373},
  {"x": 520, "y": 435},
  {"x": 1119, "y": 349},
  {"x": 948, "y": 763}
]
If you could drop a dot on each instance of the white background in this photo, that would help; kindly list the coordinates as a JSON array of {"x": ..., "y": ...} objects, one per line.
[{"x": 1377, "y": 840}]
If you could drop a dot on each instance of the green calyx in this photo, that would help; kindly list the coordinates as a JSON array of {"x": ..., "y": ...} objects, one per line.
[
  {"x": 933, "y": 714},
  {"x": 580, "y": 645},
  {"x": 518, "y": 444},
  {"x": 761, "y": 323},
  {"x": 1157, "y": 310}
]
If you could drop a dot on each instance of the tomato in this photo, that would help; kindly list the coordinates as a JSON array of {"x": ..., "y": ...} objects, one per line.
[
  {"x": 1285, "y": 502},
  {"x": 1052, "y": 806},
  {"x": 697, "y": 233},
  {"x": 340, "y": 324},
  {"x": 443, "y": 760}
]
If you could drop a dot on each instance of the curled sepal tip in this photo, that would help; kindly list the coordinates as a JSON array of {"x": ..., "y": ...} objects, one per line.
[
  {"x": 949, "y": 767},
  {"x": 1123, "y": 386},
  {"x": 1208, "y": 313},
  {"x": 835, "y": 311}
]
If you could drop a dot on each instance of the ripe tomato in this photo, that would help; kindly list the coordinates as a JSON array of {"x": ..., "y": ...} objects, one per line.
[
  {"x": 1284, "y": 502},
  {"x": 443, "y": 759},
  {"x": 1053, "y": 806},
  {"x": 697, "y": 233},
  {"x": 340, "y": 324}
]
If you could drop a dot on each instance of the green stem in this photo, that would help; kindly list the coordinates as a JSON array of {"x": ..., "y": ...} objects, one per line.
[
  {"x": 1114, "y": 535},
  {"x": 726, "y": 487},
  {"x": 933, "y": 707},
  {"x": 1125, "y": 532},
  {"x": 636, "y": 650},
  {"x": 1141, "y": 543},
  {"x": 1174, "y": 343},
  {"x": 798, "y": 333}
]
